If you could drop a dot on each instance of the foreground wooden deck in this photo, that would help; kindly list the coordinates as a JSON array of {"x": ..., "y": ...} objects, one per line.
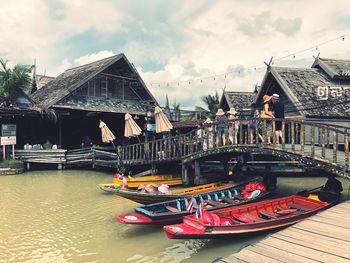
[{"x": 324, "y": 237}]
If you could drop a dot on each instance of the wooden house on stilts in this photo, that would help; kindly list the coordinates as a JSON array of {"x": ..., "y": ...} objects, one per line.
[{"x": 80, "y": 96}]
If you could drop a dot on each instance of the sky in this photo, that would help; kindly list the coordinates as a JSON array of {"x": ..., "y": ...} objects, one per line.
[{"x": 185, "y": 49}]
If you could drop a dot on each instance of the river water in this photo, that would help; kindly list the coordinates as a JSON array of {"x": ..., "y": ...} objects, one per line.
[{"x": 62, "y": 216}]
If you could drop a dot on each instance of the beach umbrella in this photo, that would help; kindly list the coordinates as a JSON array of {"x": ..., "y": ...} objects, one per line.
[
  {"x": 131, "y": 128},
  {"x": 107, "y": 135},
  {"x": 162, "y": 122}
]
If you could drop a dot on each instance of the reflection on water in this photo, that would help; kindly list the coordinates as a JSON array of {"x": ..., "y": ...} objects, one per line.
[{"x": 62, "y": 216}]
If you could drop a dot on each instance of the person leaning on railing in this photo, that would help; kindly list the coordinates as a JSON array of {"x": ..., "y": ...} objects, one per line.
[{"x": 267, "y": 114}]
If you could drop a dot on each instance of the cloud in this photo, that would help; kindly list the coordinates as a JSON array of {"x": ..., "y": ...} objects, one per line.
[
  {"x": 93, "y": 57},
  {"x": 194, "y": 43},
  {"x": 262, "y": 24},
  {"x": 289, "y": 27}
]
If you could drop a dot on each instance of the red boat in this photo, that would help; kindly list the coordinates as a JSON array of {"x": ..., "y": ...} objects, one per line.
[
  {"x": 171, "y": 212},
  {"x": 246, "y": 219}
]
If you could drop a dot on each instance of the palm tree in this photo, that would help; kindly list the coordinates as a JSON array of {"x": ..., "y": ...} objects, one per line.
[
  {"x": 212, "y": 103},
  {"x": 176, "y": 107},
  {"x": 13, "y": 79}
]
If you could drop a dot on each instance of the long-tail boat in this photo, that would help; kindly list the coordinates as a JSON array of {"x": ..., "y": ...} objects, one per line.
[
  {"x": 171, "y": 212},
  {"x": 135, "y": 182},
  {"x": 150, "y": 198},
  {"x": 246, "y": 219}
]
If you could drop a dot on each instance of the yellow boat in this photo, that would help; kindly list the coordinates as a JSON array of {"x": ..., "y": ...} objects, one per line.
[{"x": 152, "y": 179}]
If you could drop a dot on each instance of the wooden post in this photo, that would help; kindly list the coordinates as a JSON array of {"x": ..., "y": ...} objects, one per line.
[
  {"x": 240, "y": 133},
  {"x": 13, "y": 151},
  {"x": 265, "y": 132},
  {"x": 197, "y": 172},
  {"x": 185, "y": 179},
  {"x": 302, "y": 138},
  {"x": 154, "y": 169},
  {"x": 312, "y": 141},
  {"x": 257, "y": 132},
  {"x": 323, "y": 143},
  {"x": 274, "y": 137},
  {"x": 4, "y": 152},
  {"x": 292, "y": 128},
  {"x": 335, "y": 146},
  {"x": 283, "y": 134},
  {"x": 60, "y": 131},
  {"x": 346, "y": 150}
]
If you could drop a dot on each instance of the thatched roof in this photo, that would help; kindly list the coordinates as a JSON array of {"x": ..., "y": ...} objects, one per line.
[
  {"x": 57, "y": 92},
  {"x": 301, "y": 86}
]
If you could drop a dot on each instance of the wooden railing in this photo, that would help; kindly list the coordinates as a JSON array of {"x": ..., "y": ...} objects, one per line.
[{"x": 328, "y": 143}]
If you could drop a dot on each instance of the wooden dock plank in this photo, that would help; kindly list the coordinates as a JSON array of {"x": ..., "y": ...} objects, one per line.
[
  {"x": 300, "y": 234},
  {"x": 325, "y": 237},
  {"x": 251, "y": 256},
  {"x": 323, "y": 228},
  {"x": 279, "y": 255},
  {"x": 332, "y": 221},
  {"x": 300, "y": 250},
  {"x": 316, "y": 244}
]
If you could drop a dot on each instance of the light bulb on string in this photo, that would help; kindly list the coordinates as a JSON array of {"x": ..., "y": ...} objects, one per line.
[
  {"x": 293, "y": 56},
  {"x": 316, "y": 48},
  {"x": 343, "y": 38}
]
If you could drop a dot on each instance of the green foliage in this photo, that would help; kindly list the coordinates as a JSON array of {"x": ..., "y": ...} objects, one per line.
[
  {"x": 11, "y": 163},
  {"x": 13, "y": 79},
  {"x": 212, "y": 102}
]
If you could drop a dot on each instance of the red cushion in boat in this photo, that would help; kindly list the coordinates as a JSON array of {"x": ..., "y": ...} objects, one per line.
[
  {"x": 243, "y": 218},
  {"x": 225, "y": 221}
]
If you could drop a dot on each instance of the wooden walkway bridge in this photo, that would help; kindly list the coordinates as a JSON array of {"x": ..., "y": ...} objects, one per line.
[
  {"x": 320, "y": 238},
  {"x": 311, "y": 144},
  {"x": 316, "y": 145}
]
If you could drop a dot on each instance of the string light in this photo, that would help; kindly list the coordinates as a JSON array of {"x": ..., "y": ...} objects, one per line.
[{"x": 293, "y": 55}]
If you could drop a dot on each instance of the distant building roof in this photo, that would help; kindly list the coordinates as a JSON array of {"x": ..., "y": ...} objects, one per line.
[
  {"x": 335, "y": 68},
  {"x": 238, "y": 100},
  {"x": 19, "y": 103},
  {"x": 56, "y": 92},
  {"x": 42, "y": 80}
]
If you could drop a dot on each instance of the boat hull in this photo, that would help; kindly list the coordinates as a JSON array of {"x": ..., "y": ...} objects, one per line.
[
  {"x": 191, "y": 228},
  {"x": 158, "y": 213},
  {"x": 133, "y": 183},
  {"x": 150, "y": 198}
]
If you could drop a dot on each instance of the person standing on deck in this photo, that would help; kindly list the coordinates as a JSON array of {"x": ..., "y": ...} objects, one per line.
[
  {"x": 221, "y": 127},
  {"x": 233, "y": 125},
  {"x": 278, "y": 108}
]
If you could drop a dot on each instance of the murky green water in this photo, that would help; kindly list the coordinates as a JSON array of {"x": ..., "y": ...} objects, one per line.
[{"x": 62, "y": 216}]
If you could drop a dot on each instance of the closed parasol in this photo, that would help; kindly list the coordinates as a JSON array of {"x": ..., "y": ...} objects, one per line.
[
  {"x": 131, "y": 128},
  {"x": 162, "y": 122},
  {"x": 107, "y": 135}
]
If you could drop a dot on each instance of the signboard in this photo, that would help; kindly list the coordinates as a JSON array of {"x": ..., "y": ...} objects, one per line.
[
  {"x": 8, "y": 130},
  {"x": 7, "y": 140},
  {"x": 151, "y": 127}
]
